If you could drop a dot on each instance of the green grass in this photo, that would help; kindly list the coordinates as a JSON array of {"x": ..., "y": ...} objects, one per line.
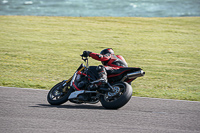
[{"x": 38, "y": 52}]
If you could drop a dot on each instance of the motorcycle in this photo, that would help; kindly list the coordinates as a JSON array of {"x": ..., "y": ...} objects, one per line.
[{"x": 80, "y": 88}]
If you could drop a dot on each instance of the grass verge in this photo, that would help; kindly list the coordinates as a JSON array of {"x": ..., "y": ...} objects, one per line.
[{"x": 38, "y": 52}]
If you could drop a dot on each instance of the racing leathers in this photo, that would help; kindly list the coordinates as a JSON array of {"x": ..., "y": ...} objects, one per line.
[
  {"x": 111, "y": 63},
  {"x": 110, "y": 60}
]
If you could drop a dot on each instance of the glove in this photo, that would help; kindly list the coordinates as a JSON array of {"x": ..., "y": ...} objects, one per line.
[{"x": 86, "y": 53}]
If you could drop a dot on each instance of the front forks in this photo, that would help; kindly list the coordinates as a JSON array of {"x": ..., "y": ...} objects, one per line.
[{"x": 64, "y": 88}]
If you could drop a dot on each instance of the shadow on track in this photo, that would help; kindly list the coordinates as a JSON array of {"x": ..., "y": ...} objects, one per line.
[{"x": 75, "y": 106}]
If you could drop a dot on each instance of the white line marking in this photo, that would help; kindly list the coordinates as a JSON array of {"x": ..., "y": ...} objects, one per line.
[
  {"x": 165, "y": 99},
  {"x": 23, "y": 88}
]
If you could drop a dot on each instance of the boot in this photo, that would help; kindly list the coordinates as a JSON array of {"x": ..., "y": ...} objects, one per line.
[{"x": 103, "y": 77}]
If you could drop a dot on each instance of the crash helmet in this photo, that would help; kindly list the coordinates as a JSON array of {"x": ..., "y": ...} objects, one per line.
[{"x": 107, "y": 51}]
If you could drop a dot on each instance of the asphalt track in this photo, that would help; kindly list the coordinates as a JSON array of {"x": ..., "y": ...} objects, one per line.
[{"x": 27, "y": 111}]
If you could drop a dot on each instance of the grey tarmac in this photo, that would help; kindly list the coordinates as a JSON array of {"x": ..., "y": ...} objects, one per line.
[{"x": 27, "y": 111}]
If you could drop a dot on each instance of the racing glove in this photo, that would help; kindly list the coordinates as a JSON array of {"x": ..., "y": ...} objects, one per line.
[{"x": 86, "y": 53}]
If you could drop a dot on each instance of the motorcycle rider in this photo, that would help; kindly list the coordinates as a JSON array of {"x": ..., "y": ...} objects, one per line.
[{"x": 110, "y": 61}]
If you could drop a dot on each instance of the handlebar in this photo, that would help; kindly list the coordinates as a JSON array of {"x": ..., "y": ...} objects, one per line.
[{"x": 84, "y": 58}]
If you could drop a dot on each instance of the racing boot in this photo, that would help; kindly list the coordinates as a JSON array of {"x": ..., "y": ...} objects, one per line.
[{"x": 102, "y": 80}]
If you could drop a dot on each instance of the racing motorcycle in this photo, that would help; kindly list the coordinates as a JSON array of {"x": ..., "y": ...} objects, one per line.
[{"x": 80, "y": 88}]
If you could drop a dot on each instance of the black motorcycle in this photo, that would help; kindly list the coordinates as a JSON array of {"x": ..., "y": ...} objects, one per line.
[{"x": 80, "y": 88}]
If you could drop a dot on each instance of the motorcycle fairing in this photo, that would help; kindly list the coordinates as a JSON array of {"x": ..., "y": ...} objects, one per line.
[
  {"x": 118, "y": 74},
  {"x": 121, "y": 71}
]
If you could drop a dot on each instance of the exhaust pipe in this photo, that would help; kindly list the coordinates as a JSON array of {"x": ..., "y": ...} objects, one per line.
[{"x": 134, "y": 75}]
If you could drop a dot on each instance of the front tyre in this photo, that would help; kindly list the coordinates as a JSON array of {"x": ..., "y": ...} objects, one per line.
[
  {"x": 121, "y": 95},
  {"x": 59, "y": 94}
]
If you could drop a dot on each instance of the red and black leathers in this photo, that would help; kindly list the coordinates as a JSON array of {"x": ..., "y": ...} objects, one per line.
[
  {"x": 111, "y": 63},
  {"x": 110, "y": 60}
]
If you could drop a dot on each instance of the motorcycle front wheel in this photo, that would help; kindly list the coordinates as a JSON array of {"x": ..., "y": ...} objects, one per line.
[
  {"x": 59, "y": 94},
  {"x": 121, "y": 95}
]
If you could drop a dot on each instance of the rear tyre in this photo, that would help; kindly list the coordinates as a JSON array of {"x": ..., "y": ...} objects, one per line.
[
  {"x": 117, "y": 99},
  {"x": 59, "y": 94}
]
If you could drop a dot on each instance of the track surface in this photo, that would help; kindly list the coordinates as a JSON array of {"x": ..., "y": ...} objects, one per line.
[{"x": 27, "y": 111}]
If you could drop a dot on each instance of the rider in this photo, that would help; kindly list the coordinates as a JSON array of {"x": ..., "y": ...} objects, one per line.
[{"x": 110, "y": 61}]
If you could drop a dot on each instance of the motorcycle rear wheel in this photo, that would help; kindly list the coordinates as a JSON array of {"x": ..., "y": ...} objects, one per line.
[
  {"x": 56, "y": 96},
  {"x": 122, "y": 96}
]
